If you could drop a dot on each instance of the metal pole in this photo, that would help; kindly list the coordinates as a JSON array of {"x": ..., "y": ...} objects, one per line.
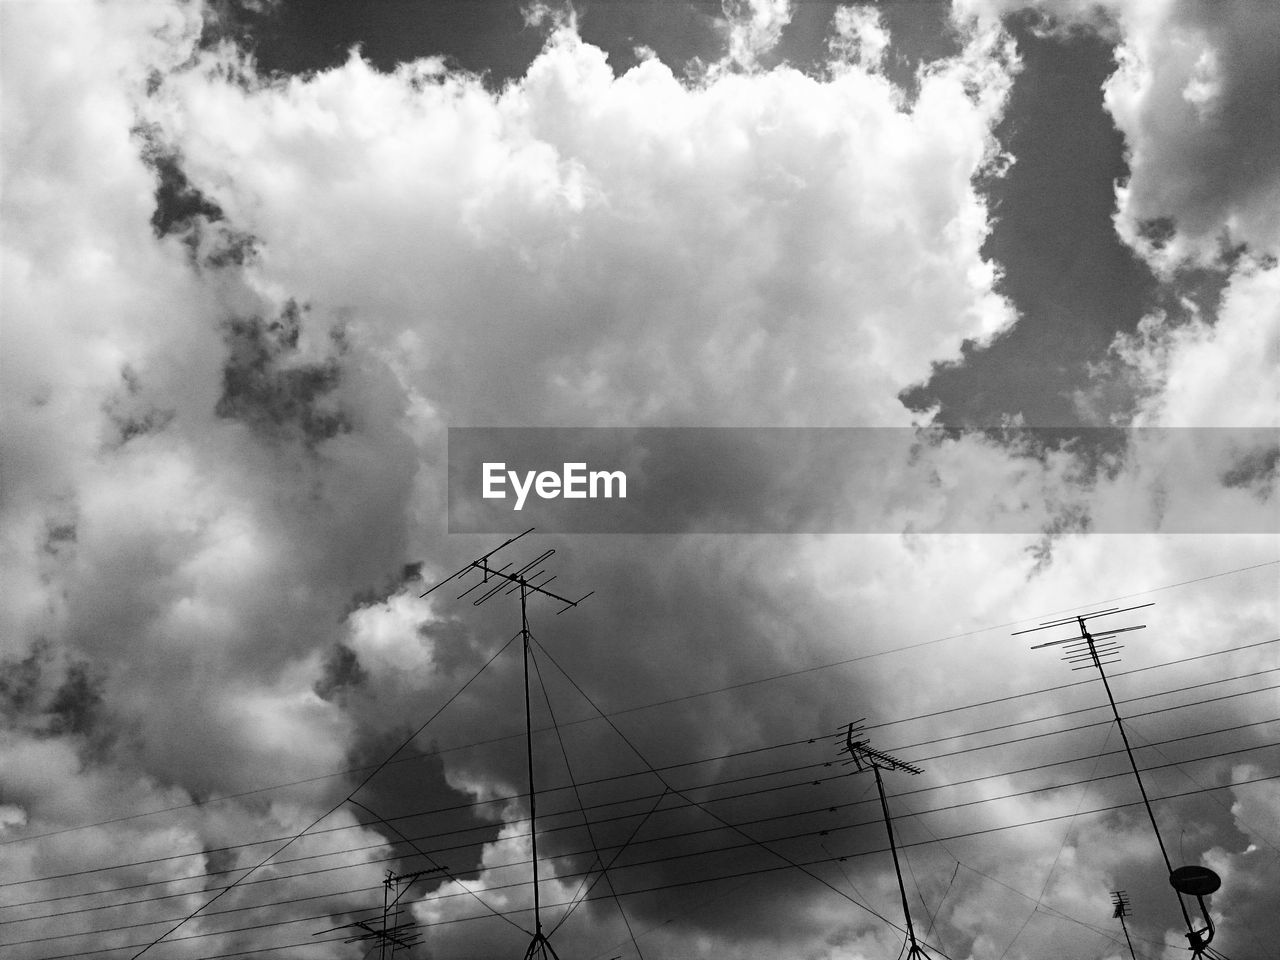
[
  {"x": 1146, "y": 801},
  {"x": 1125, "y": 927},
  {"x": 382, "y": 934},
  {"x": 893, "y": 848},
  {"x": 528, "y": 740}
]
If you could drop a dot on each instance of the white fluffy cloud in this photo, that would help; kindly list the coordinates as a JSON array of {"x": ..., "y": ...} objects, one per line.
[{"x": 624, "y": 249}]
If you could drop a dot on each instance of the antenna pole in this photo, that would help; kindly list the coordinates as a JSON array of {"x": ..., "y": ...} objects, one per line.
[
  {"x": 897, "y": 868},
  {"x": 528, "y": 742},
  {"x": 1115, "y": 712},
  {"x": 527, "y": 580},
  {"x": 1087, "y": 648},
  {"x": 1122, "y": 910},
  {"x": 386, "y": 909},
  {"x": 864, "y": 755},
  {"x": 391, "y": 934}
]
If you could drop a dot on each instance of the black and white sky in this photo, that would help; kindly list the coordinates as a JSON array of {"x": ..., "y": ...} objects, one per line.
[{"x": 260, "y": 255}]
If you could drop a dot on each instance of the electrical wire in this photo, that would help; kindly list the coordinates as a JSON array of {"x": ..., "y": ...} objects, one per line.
[
  {"x": 764, "y": 846},
  {"x": 376, "y": 770},
  {"x": 702, "y": 786},
  {"x": 604, "y": 872},
  {"x": 705, "y": 693},
  {"x": 1147, "y": 696},
  {"x": 755, "y": 750},
  {"x": 667, "y": 886},
  {"x": 694, "y": 833}
]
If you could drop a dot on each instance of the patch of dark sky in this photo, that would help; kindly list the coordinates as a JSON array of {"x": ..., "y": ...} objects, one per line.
[
  {"x": 426, "y": 822},
  {"x": 1073, "y": 281},
  {"x": 297, "y": 37}
]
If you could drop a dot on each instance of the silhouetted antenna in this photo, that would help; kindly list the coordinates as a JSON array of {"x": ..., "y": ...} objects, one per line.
[
  {"x": 511, "y": 580},
  {"x": 865, "y": 756},
  {"x": 507, "y": 581},
  {"x": 393, "y": 935},
  {"x": 1088, "y": 650},
  {"x": 1121, "y": 903},
  {"x": 1192, "y": 881}
]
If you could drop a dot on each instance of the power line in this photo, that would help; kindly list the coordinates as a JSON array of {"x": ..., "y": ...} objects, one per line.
[
  {"x": 706, "y": 693},
  {"x": 1158, "y": 694},
  {"x": 789, "y": 815},
  {"x": 673, "y": 885},
  {"x": 376, "y": 770},
  {"x": 674, "y": 766},
  {"x": 604, "y": 869}
]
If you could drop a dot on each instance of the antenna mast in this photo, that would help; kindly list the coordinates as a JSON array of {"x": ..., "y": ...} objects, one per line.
[
  {"x": 1121, "y": 903},
  {"x": 1098, "y": 650},
  {"x": 864, "y": 755},
  {"x": 522, "y": 581},
  {"x": 396, "y": 935}
]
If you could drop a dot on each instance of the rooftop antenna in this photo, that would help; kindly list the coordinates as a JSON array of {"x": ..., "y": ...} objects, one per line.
[
  {"x": 507, "y": 581},
  {"x": 393, "y": 935},
  {"x": 1121, "y": 903},
  {"x": 1098, "y": 650},
  {"x": 865, "y": 756}
]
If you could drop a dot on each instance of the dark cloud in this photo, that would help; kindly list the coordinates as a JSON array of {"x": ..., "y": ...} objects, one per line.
[
  {"x": 410, "y": 573},
  {"x": 184, "y": 211},
  {"x": 75, "y": 703},
  {"x": 60, "y": 535},
  {"x": 130, "y": 411},
  {"x": 341, "y": 670},
  {"x": 427, "y": 823},
  {"x": 179, "y": 205},
  {"x": 20, "y": 680},
  {"x": 1255, "y": 470},
  {"x": 267, "y": 386},
  {"x": 49, "y": 697}
]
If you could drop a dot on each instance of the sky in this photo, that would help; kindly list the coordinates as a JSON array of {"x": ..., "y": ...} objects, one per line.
[{"x": 260, "y": 256}]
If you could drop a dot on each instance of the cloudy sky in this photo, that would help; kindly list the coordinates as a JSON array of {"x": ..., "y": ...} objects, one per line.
[{"x": 259, "y": 256}]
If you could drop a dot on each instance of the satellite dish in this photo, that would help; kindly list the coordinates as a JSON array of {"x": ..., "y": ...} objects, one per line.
[{"x": 1195, "y": 881}]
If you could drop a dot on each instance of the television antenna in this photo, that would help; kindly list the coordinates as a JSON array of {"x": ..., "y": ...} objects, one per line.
[
  {"x": 1121, "y": 903},
  {"x": 1098, "y": 650},
  {"x": 865, "y": 756},
  {"x": 506, "y": 581},
  {"x": 394, "y": 934}
]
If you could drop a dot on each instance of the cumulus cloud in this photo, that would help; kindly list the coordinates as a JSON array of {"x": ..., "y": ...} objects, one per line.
[
  {"x": 243, "y": 312},
  {"x": 754, "y": 28}
]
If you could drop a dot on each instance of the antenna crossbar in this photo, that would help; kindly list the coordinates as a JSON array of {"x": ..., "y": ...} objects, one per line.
[
  {"x": 1082, "y": 638},
  {"x": 1121, "y": 902},
  {"x": 510, "y": 581},
  {"x": 864, "y": 755},
  {"x": 1083, "y": 616}
]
